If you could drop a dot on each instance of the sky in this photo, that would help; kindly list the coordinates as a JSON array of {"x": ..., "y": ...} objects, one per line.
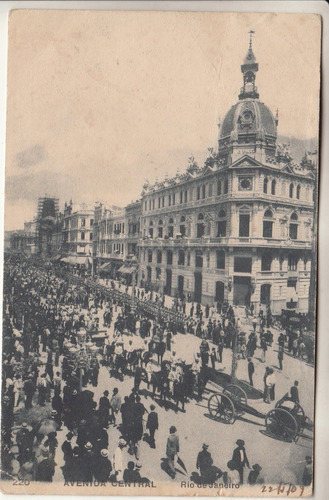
[{"x": 100, "y": 101}]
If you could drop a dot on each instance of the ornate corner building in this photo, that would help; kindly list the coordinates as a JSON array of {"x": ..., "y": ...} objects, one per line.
[{"x": 239, "y": 229}]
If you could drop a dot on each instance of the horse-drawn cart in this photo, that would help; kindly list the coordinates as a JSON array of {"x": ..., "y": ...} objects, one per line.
[{"x": 287, "y": 421}]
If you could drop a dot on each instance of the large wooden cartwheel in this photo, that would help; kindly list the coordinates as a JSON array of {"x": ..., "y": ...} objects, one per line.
[
  {"x": 282, "y": 425},
  {"x": 221, "y": 408},
  {"x": 236, "y": 394}
]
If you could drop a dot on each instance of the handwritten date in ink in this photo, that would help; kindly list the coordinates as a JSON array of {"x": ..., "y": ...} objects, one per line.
[{"x": 283, "y": 489}]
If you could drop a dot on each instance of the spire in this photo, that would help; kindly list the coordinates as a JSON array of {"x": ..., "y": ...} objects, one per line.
[
  {"x": 249, "y": 69},
  {"x": 277, "y": 117}
]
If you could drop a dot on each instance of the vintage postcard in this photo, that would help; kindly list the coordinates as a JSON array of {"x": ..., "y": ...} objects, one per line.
[{"x": 160, "y": 259}]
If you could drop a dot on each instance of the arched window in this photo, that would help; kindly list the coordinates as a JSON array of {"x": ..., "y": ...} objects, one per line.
[
  {"x": 221, "y": 224},
  {"x": 160, "y": 228},
  {"x": 182, "y": 227},
  {"x": 200, "y": 227},
  {"x": 151, "y": 229},
  {"x": 171, "y": 228},
  {"x": 292, "y": 262},
  {"x": 266, "y": 262},
  {"x": 268, "y": 224},
  {"x": 298, "y": 192},
  {"x": 291, "y": 191},
  {"x": 268, "y": 214},
  {"x": 220, "y": 259},
  {"x": 198, "y": 258},
  {"x": 244, "y": 224},
  {"x": 273, "y": 186},
  {"x": 169, "y": 257},
  {"x": 265, "y": 185},
  {"x": 181, "y": 258},
  {"x": 293, "y": 227},
  {"x": 219, "y": 188}
]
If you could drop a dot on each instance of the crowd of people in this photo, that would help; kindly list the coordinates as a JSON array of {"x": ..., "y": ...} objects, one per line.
[{"x": 52, "y": 360}]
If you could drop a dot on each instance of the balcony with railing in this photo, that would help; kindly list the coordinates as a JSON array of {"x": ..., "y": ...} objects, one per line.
[{"x": 224, "y": 241}]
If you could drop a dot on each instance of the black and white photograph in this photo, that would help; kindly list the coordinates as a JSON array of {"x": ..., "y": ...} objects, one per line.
[{"x": 160, "y": 253}]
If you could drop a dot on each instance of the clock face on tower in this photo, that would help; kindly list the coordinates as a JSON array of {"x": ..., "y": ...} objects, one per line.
[{"x": 245, "y": 183}]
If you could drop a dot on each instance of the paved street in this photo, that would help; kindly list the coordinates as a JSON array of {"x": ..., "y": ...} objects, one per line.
[{"x": 196, "y": 427}]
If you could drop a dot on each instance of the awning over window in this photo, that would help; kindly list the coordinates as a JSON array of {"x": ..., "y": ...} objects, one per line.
[
  {"x": 77, "y": 259},
  {"x": 105, "y": 267},
  {"x": 126, "y": 269}
]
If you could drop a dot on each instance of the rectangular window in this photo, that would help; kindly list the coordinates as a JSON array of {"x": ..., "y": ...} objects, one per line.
[
  {"x": 159, "y": 257},
  {"x": 181, "y": 197},
  {"x": 150, "y": 256},
  {"x": 220, "y": 259},
  {"x": 221, "y": 228},
  {"x": 198, "y": 193},
  {"x": 185, "y": 196},
  {"x": 145, "y": 206},
  {"x": 169, "y": 257},
  {"x": 200, "y": 230},
  {"x": 266, "y": 262},
  {"x": 163, "y": 201},
  {"x": 210, "y": 190},
  {"x": 244, "y": 225},
  {"x": 181, "y": 258},
  {"x": 173, "y": 199},
  {"x": 199, "y": 260},
  {"x": 169, "y": 200},
  {"x": 82, "y": 236},
  {"x": 203, "y": 191},
  {"x": 153, "y": 204},
  {"x": 292, "y": 263},
  {"x": 242, "y": 265},
  {"x": 219, "y": 188},
  {"x": 292, "y": 283},
  {"x": 267, "y": 229},
  {"x": 293, "y": 230},
  {"x": 159, "y": 202}
]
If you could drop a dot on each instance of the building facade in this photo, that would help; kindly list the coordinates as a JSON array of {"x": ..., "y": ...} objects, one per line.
[
  {"x": 117, "y": 234},
  {"x": 78, "y": 234},
  {"x": 24, "y": 240},
  {"x": 240, "y": 228}
]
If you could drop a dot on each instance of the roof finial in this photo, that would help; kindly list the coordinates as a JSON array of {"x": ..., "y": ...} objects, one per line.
[
  {"x": 277, "y": 116},
  {"x": 251, "y": 32}
]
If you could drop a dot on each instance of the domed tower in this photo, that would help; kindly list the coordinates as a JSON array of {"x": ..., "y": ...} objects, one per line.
[{"x": 249, "y": 127}]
